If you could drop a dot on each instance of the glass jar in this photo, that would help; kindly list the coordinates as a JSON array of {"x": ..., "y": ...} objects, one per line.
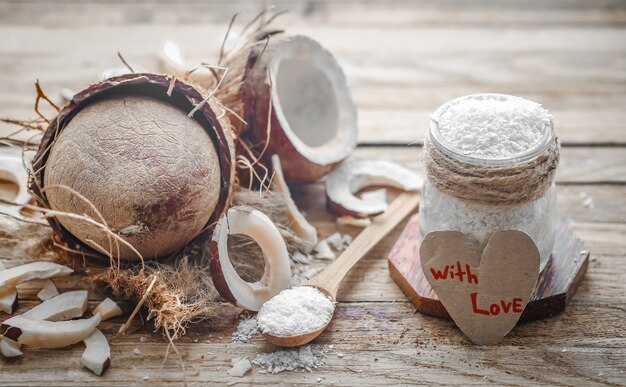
[{"x": 440, "y": 211}]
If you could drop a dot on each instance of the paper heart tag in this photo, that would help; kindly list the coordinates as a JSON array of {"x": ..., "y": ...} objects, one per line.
[{"x": 484, "y": 296}]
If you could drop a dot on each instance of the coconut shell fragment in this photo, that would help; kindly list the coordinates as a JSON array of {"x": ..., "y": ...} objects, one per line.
[{"x": 125, "y": 152}]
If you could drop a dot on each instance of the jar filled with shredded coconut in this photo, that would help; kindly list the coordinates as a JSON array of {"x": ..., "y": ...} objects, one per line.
[{"x": 490, "y": 160}]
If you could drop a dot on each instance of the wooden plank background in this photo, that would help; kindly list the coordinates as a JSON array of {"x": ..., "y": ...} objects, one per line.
[{"x": 402, "y": 60}]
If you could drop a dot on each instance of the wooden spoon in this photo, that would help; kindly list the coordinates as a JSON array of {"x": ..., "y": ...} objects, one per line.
[{"x": 328, "y": 281}]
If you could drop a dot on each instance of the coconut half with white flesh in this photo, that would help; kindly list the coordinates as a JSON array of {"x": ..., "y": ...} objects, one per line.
[
  {"x": 312, "y": 118},
  {"x": 277, "y": 273},
  {"x": 48, "y": 334},
  {"x": 297, "y": 222},
  {"x": 351, "y": 177}
]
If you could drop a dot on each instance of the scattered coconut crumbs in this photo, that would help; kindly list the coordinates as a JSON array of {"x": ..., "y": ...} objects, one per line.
[
  {"x": 295, "y": 311},
  {"x": 137, "y": 351},
  {"x": 305, "y": 358},
  {"x": 246, "y": 329},
  {"x": 300, "y": 257},
  {"x": 323, "y": 251},
  {"x": 339, "y": 241}
]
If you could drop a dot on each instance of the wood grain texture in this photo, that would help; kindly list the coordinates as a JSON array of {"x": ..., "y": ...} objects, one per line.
[{"x": 402, "y": 59}]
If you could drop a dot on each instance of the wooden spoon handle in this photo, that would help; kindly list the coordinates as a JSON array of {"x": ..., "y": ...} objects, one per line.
[{"x": 331, "y": 277}]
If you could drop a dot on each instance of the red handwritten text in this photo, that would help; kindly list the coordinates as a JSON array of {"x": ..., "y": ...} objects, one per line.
[
  {"x": 452, "y": 271},
  {"x": 515, "y": 305}
]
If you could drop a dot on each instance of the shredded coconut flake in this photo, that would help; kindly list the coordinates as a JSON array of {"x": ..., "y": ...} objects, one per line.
[
  {"x": 306, "y": 358},
  {"x": 493, "y": 127},
  {"x": 339, "y": 241},
  {"x": 295, "y": 311},
  {"x": 323, "y": 251},
  {"x": 246, "y": 329}
]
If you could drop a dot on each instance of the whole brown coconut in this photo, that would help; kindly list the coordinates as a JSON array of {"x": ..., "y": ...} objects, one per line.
[{"x": 127, "y": 145}]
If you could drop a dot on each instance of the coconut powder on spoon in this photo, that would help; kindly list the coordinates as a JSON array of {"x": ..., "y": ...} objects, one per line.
[{"x": 295, "y": 311}]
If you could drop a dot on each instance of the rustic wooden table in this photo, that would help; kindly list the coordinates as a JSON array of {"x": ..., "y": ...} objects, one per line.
[{"x": 402, "y": 59}]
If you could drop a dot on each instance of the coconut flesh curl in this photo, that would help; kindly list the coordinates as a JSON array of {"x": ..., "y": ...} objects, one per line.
[{"x": 153, "y": 173}]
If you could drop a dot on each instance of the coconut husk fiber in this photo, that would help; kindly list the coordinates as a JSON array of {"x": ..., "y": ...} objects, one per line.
[
  {"x": 182, "y": 290},
  {"x": 178, "y": 290}
]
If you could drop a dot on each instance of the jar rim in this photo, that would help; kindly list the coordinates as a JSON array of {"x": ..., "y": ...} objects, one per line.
[{"x": 450, "y": 150}]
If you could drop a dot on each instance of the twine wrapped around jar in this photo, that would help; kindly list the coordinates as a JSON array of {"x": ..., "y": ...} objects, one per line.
[{"x": 491, "y": 185}]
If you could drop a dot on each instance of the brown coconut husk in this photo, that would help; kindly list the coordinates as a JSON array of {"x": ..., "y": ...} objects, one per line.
[{"x": 178, "y": 289}]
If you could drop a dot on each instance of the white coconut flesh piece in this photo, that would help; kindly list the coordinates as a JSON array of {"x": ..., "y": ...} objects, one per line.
[
  {"x": 97, "y": 354},
  {"x": 277, "y": 274},
  {"x": 311, "y": 100},
  {"x": 379, "y": 195},
  {"x": 48, "y": 334},
  {"x": 10, "y": 278},
  {"x": 13, "y": 182},
  {"x": 353, "y": 176},
  {"x": 63, "y": 307},
  {"x": 48, "y": 290},
  {"x": 8, "y": 301},
  {"x": 108, "y": 309},
  {"x": 297, "y": 222},
  {"x": 10, "y": 348},
  {"x": 173, "y": 62}
]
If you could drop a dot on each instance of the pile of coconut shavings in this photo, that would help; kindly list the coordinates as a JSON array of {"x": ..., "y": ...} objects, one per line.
[
  {"x": 493, "y": 127},
  {"x": 246, "y": 329},
  {"x": 306, "y": 358}
]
